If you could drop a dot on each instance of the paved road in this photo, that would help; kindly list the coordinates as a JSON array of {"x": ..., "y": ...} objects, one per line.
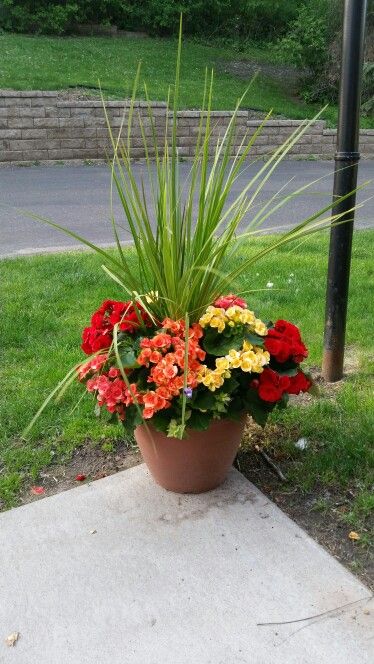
[{"x": 78, "y": 198}]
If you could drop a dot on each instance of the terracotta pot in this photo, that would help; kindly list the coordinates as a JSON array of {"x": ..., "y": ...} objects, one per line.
[{"x": 195, "y": 464}]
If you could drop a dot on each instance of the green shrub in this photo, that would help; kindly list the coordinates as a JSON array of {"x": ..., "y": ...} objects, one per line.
[
  {"x": 368, "y": 89},
  {"x": 307, "y": 46},
  {"x": 249, "y": 19},
  {"x": 39, "y": 16},
  {"x": 313, "y": 44},
  {"x": 125, "y": 14}
]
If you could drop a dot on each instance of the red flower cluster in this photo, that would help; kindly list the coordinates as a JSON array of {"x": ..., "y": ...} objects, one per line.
[
  {"x": 230, "y": 300},
  {"x": 283, "y": 342},
  {"x": 100, "y": 334},
  {"x": 92, "y": 366},
  {"x": 166, "y": 352},
  {"x": 113, "y": 393},
  {"x": 299, "y": 383},
  {"x": 271, "y": 385}
]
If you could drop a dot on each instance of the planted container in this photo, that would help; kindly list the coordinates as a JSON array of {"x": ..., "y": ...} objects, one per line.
[{"x": 200, "y": 462}]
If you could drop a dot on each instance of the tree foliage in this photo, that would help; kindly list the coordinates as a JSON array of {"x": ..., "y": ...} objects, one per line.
[
  {"x": 249, "y": 19},
  {"x": 313, "y": 43}
]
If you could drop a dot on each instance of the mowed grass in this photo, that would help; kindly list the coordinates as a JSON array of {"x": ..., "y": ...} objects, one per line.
[
  {"x": 47, "y": 300},
  {"x": 53, "y": 63}
]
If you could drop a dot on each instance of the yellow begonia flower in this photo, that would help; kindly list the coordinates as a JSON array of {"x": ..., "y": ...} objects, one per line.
[
  {"x": 231, "y": 311},
  {"x": 212, "y": 378},
  {"x": 263, "y": 356},
  {"x": 215, "y": 311},
  {"x": 222, "y": 364},
  {"x": 205, "y": 320},
  {"x": 260, "y": 327},
  {"x": 234, "y": 314},
  {"x": 218, "y": 318},
  {"x": 233, "y": 358},
  {"x": 251, "y": 359},
  {"x": 218, "y": 323},
  {"x": 248, "y": 359},
  {"x": 248, "y": 317},
  {"x": 213, "y": 381}
]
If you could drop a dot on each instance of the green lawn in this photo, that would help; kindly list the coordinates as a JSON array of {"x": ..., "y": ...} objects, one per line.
[
  {"x": 46, "y": 301},
  {"x": 52, "y": 63}
]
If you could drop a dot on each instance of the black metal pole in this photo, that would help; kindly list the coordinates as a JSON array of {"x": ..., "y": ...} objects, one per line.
[{"x": 345, "y": 180}]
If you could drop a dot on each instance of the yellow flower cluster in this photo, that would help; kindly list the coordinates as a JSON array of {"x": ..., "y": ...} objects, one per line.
[
  {"x": 212, "y": 378},
  {"x": 219, "y": 318},
  {"x": 249, "y": 359}
]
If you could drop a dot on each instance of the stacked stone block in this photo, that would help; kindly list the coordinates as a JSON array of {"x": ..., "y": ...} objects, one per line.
[{"x": 42, "y": 126}]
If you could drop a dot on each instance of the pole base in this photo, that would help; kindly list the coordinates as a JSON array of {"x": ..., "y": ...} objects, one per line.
[{"x": 332, "y": 365}]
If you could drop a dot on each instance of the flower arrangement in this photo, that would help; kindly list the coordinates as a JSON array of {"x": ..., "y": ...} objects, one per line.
[
  {"x": 175, "y": 352},
  {"x": 182, "y": 375}
]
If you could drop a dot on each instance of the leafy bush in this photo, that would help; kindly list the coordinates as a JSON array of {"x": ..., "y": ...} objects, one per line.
[
  {"x": 249, "y": 19},
  {"x": 368, "y": 89},
  {"x": 313, "y": 44},
  {"x": 39, "y": 16},
  {"x": 307, "y": 43}
]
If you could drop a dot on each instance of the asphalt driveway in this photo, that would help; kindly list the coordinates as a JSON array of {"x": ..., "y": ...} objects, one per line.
[{"x": 78, "y": 198}]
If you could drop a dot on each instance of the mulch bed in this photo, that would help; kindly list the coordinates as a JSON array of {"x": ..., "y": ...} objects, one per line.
[{"x": 90, "y": 462}]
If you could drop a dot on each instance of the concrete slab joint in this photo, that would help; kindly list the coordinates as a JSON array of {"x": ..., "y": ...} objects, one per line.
[{"x": 27, "y": 115}]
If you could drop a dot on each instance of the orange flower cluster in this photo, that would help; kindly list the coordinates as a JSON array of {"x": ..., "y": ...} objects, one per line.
[{"x": 165, "y": 355}]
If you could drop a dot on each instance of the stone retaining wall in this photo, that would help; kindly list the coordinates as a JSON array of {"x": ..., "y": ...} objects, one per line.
[{"x": 38, "y": 126}]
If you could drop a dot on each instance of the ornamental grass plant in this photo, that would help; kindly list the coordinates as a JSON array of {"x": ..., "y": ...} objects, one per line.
[{"x": 176, "y": 351}]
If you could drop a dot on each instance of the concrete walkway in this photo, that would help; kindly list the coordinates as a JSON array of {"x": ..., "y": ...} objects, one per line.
[{"x": 123, "y": 572}]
